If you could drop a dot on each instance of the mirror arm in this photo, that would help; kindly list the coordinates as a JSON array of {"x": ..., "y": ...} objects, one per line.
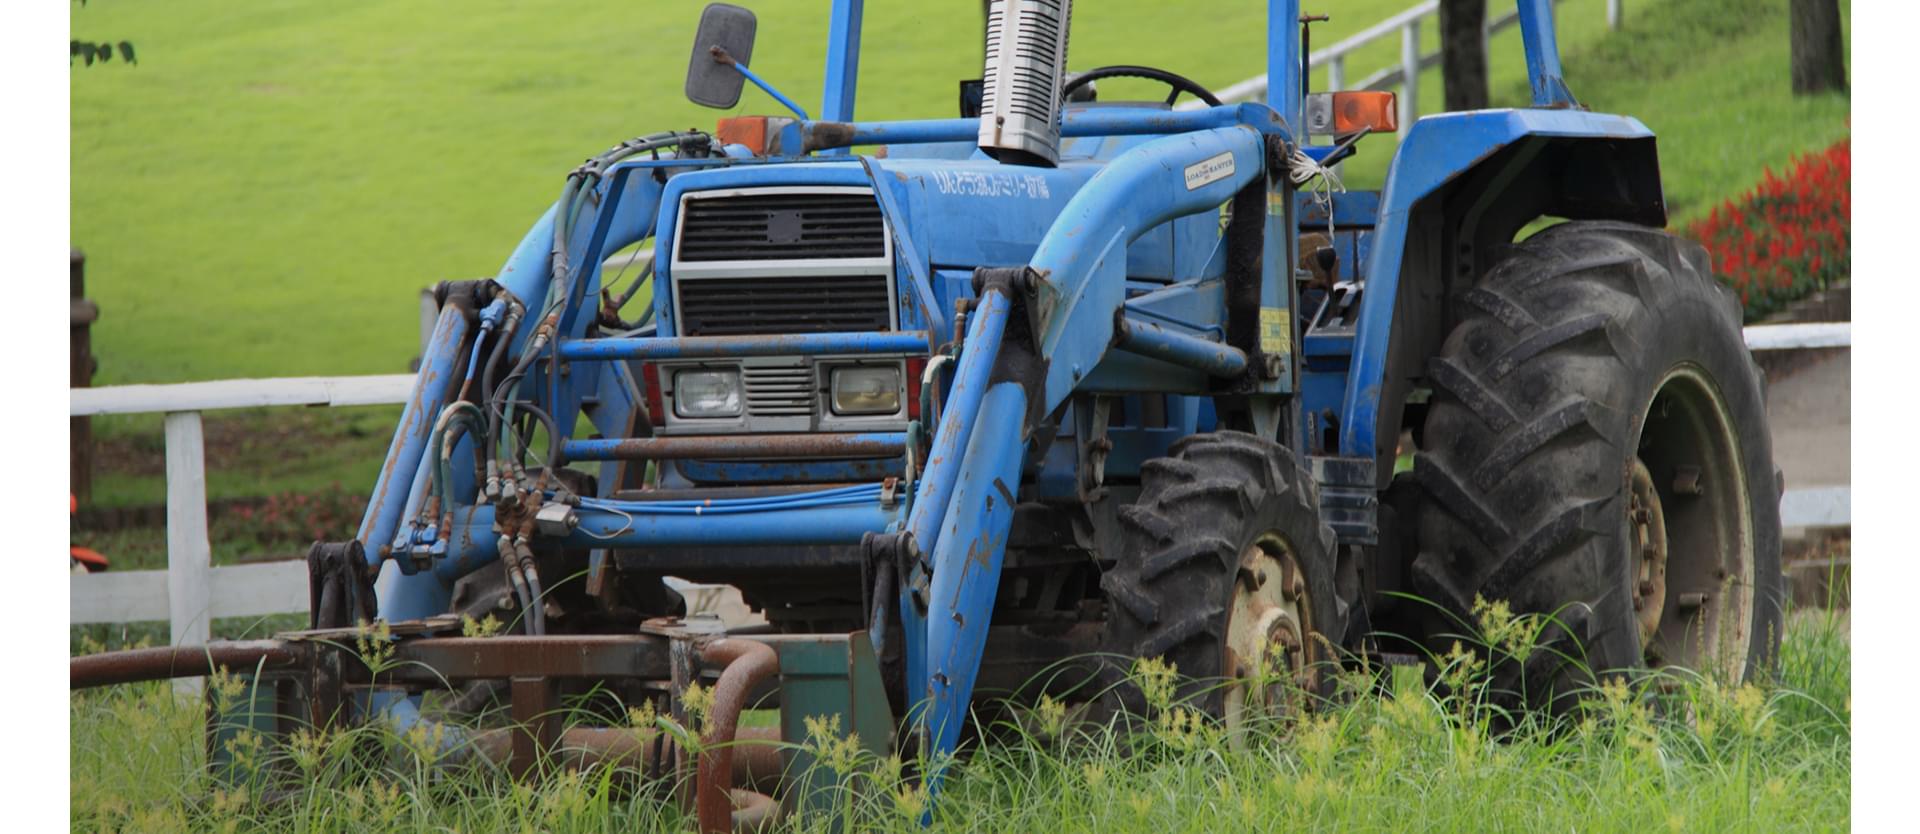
[{"x": 720, "y": 56}]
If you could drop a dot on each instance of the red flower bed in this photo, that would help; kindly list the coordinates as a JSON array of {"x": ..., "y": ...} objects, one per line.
[{"x": 1787, "y": 237}]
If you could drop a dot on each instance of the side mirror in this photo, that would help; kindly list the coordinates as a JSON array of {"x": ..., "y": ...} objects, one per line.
[{"x": 725, "y": 36}]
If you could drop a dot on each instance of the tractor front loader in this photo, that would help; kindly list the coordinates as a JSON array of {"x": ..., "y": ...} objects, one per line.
[{"x": 998, "y": 404}]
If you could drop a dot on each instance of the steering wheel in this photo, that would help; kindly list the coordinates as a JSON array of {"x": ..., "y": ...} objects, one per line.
[{"x": 1179, "y": 83}]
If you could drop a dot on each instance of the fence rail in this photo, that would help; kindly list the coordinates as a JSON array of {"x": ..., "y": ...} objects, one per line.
[{"x": 191, "y": 590}]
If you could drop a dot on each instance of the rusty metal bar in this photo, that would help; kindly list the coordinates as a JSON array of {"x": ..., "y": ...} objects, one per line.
[
  {"x": 754, "y": 446},
  {"x": 430, "y": 660},
  {"x": 747, "y": 663},
  {"x": 536, "y": 724},
  {"x": 757, "y": 762},
  {"x": 165, "y": 662}
]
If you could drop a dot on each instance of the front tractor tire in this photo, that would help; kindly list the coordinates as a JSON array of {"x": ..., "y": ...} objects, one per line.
[
  {"x": 1226, "y": 572},
  {"x": 1596, "y": 449}
]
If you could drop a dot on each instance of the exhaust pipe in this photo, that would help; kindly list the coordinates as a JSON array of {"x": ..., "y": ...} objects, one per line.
[{"x": 1026, "y": 65}]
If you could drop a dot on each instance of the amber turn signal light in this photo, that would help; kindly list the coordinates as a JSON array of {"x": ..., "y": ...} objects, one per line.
[
  {"x": 750, "y": 131},
  {"x": 1347, "y": 113}
]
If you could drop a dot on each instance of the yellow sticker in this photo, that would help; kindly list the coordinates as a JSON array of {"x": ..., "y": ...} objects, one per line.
[{"x": 1274, "y": 337}]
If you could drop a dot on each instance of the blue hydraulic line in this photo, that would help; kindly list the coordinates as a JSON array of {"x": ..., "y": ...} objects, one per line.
[
  {"x": 740, "y": 447},
  {"x": 855, "y": 489},
  {"x": 827, "y": 498},
  {"x": 703, "y": 347},
  {"x": 489, "y": 318}
]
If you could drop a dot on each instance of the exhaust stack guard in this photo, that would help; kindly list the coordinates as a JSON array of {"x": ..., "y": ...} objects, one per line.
[{"x": 1026, "y": 61}]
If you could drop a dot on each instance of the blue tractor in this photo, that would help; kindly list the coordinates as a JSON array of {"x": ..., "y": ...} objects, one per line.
[{"x": 1002, "y": 402}]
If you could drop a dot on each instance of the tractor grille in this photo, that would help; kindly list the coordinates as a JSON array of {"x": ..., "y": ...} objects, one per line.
[
  {"x": 764, "y": 227},
  {"x": 779, "y": 392},
  {"x": 799, "y": 304}
]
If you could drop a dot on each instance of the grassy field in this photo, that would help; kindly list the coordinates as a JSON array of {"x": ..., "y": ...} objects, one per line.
[{"x": 1664, "y": 754}]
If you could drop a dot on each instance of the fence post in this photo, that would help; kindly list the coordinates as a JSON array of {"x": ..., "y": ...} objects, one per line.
[
  {"x": 1337, "y": 73},
  {"x": 189, "y": 553},
  {"x": 429, "y": 318},
  {"x": 81, "y": 366},
  {"x": 1410, "y": 75},
  {"x": 1614, "y": 12}
]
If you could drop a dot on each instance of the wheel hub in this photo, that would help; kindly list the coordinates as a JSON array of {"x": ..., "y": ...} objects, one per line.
[
  {"x": 1267, "y": 630},
  {"x": 1688, "y": 502},
  {"x": 1649, "y": 541}
]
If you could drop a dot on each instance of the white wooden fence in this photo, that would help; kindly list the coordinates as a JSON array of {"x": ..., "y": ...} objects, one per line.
[
  {"x": 1405, "y": 75},
  {"x": 191, "y": 590}
]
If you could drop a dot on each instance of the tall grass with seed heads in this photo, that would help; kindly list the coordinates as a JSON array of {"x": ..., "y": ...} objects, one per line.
[{"x": 1386, "y": 751}]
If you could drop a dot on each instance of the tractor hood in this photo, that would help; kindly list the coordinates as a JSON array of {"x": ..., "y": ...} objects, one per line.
[{"x": 947, "y": 209}]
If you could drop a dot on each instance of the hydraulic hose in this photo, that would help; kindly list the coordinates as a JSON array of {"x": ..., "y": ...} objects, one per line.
[
  {"x": 530, "y": 571},
  {"x": 579, "y": 187},
  {"x": 826, "y": 498},
  {"x": 438, "y": 447},
  {"x": 515, "y": 579},
  {"x": 553, "y": 435}
]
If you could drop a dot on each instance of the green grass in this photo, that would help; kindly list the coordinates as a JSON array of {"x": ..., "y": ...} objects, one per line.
[
  {"x": 1709, "y": 78},
  {"x": 1666, "y": 754}
]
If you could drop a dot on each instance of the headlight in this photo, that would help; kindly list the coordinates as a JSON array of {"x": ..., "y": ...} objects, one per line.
[
  {"x": 866, "y": 390},
  {"x": 706, "y": 393}
]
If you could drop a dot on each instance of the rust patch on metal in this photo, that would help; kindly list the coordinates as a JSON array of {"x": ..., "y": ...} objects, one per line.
[{"x": 747, "y": 663}]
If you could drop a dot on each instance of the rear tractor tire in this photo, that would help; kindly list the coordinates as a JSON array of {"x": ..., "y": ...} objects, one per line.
[
  {"x": 1226, "y": 572},
  {"x": 1597, "y": 450}
]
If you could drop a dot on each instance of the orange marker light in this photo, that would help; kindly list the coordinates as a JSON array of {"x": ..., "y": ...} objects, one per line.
[
  {"x": 750, "y": 131},
  {"x": 1347, "y": 113}
]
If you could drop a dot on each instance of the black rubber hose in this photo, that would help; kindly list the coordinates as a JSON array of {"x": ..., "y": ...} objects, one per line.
[
  {"x": 496, "y": 403},
  {"x": 553, "y": 435},
  {"x": 503, "y": 339},
  {"x": 645, "y": 272},
  {"x": 537, "y": 603},
  {"x": 487, "y": 390},
  {"x": 530, "y": 573},
  {"x": 592, "y": 170}
]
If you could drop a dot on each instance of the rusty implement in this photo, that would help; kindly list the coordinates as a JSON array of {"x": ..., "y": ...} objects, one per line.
[{"x": 417, "y": 672}]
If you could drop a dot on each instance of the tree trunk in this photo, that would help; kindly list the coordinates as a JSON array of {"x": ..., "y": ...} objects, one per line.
[
  {"x": 1463, "y": 53},
  {"x": 1819, "y": 55}
]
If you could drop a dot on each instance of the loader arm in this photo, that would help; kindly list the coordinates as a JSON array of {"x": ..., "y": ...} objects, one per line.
[{"x": 1039, "y": 330}]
